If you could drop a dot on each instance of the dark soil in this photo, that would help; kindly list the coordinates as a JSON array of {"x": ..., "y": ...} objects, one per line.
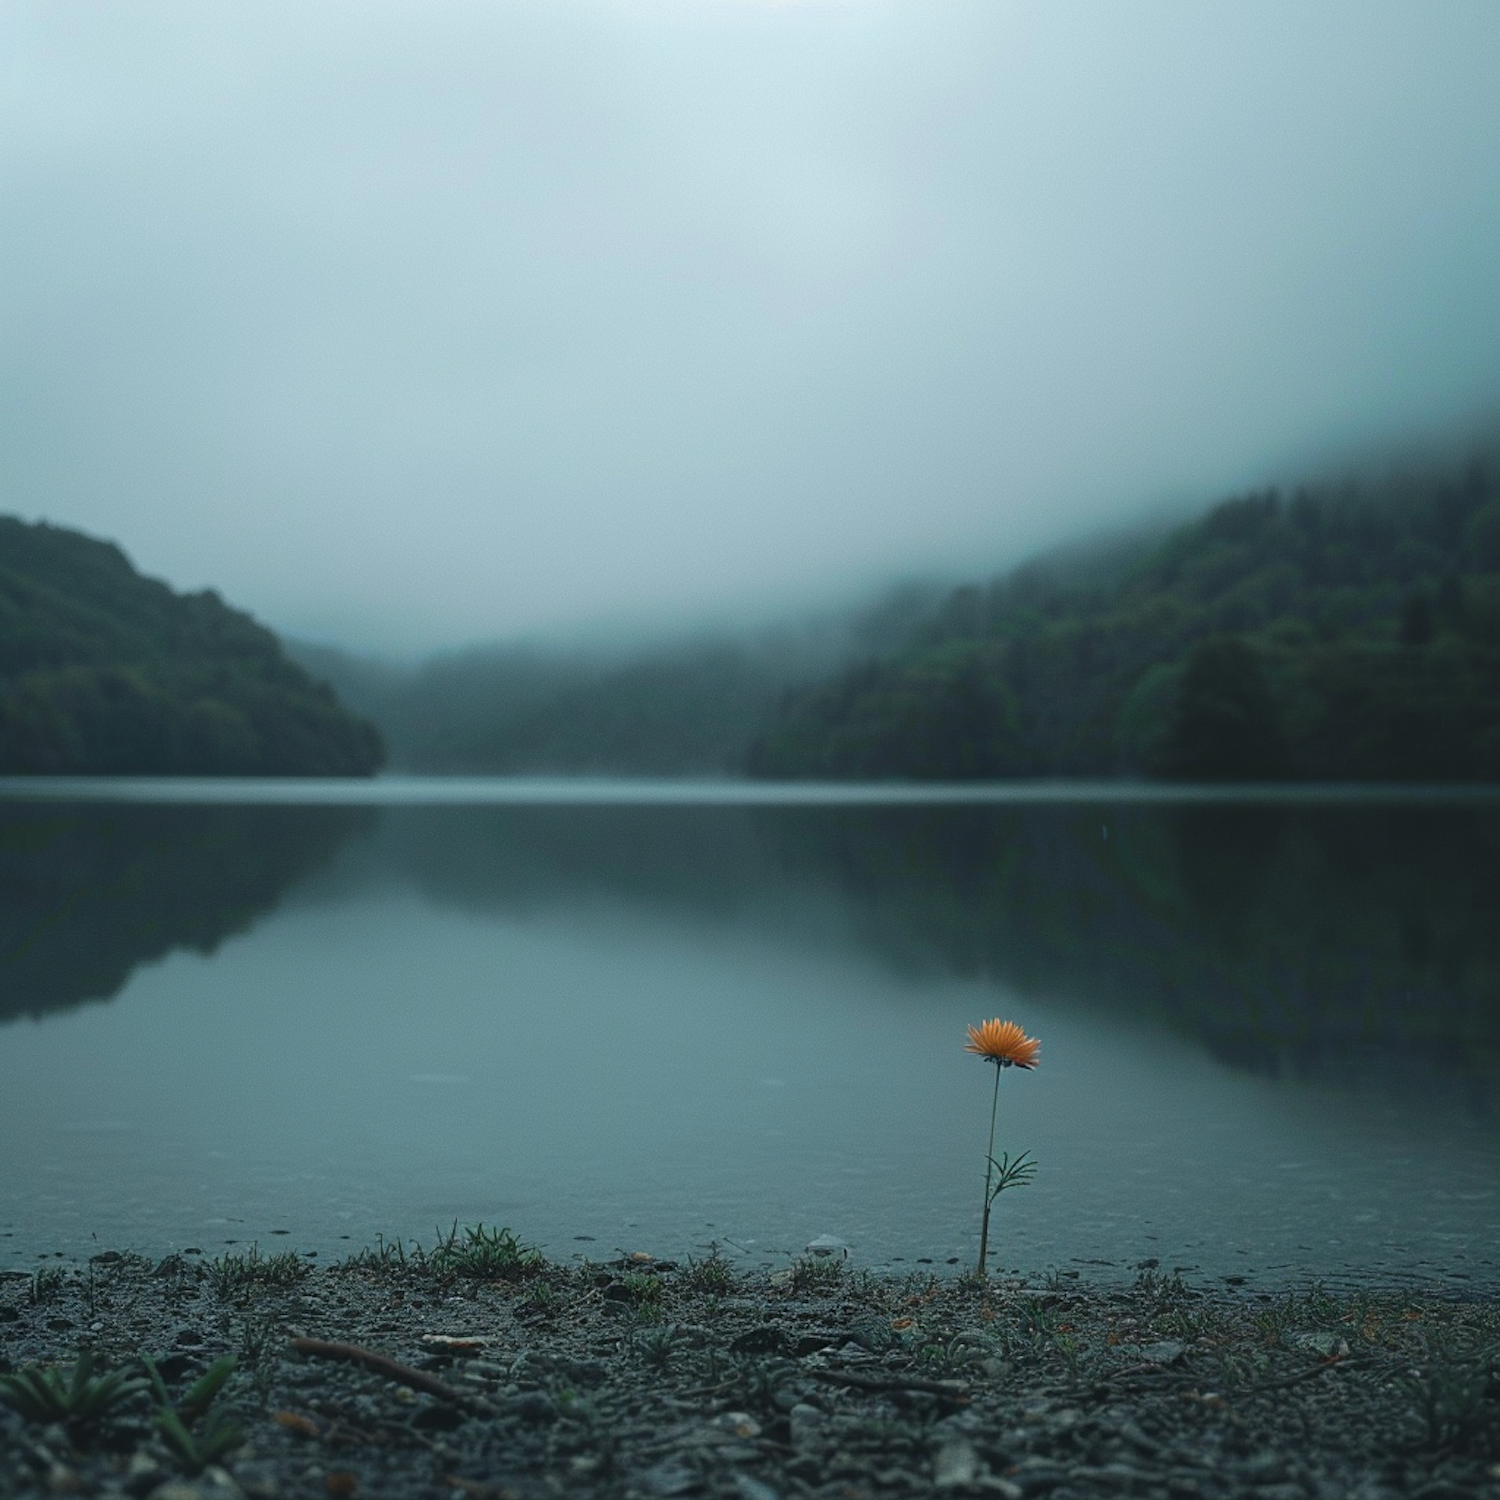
[{"x": 479, "y": 1371}]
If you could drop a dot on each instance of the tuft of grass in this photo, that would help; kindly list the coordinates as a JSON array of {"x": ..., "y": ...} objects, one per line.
[
  {"x": 46, "y": 1284},
  {"x": 43, "y": 1394},
  {"x": 811, "y": 1273},
  {"x": 234, "y": 1274},
  {"x": 712, "y": 1276},
  {"x": 645, "y": 1290},
  {"x": 1161, "y": 1293},
  {"x": 540, "y": 1298},
  {"x": 484, "y": 1254},
  {"x": 385, "y": 1257}
]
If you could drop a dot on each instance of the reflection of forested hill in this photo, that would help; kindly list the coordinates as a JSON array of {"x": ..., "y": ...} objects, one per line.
[
  {"x": 89, "y": 893},
  {"x": 1336, "y": 942},
  {"x": 105, "y": 672},
  {"x": 1347, "y": 632},
  {"x": 1329, "y": 941},
  {"x": 1323, "y": 941}
]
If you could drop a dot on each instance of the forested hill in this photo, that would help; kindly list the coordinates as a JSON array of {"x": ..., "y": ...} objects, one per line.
[
  {"x": 686, "y": 707},
  {"x": 1344, "y": 632},
  {"x": 103, "y": 671}
]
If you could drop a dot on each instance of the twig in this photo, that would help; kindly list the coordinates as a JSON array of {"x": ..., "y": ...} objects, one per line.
[
  {"x": 954, "y": 1390},
  {"x": 1301, "y": 1375},
  {"x": 392, "y": 1369}
]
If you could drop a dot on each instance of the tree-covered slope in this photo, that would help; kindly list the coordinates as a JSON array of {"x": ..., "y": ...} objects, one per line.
[
  {"x": 103, "y": 671},
  {"x": 1349, "y": 632},
  {"x": 688, "y": 706}
]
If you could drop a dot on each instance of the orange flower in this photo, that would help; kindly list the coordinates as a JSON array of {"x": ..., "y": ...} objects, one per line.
[{"x": 1004, "y": 1043}]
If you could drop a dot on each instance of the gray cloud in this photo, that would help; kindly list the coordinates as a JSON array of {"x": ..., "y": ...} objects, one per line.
[{"x": 409, "y": 323}]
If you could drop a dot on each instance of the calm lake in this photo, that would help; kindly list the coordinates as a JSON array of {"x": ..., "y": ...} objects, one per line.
[{"x": 653, "y": 1018}]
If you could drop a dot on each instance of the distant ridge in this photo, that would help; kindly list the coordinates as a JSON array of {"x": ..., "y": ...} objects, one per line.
[
  {"x": 104, "y": 672},
  {"x": 1347, "y": 632}
]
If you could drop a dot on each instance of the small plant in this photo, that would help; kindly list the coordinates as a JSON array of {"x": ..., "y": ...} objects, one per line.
[
  {"x": 1160, "y": 1291},
  {"x": 384, "y": 1257},
  {"x": 712, "y": 1276},
  {"x": 540, "y": 1298},
  {"x": 1007, "y": 1046},
  {"x": 46, "y": 1283},
  {"x": 645, "y": 1290},
  {"x": 655, "y": 1346},
  {"x": 484, "y": 1254},
  {"x": 233, "y": 1274},
  {"x": 1451, "y": 1389},
  {"x": 953, "y": 1357},
  {"x": 42, "y": 1394},
  {"x": 759, "y": 1381},
  {"x": 816, "y": 1274},
  {"x": 217, "y": 1434}
]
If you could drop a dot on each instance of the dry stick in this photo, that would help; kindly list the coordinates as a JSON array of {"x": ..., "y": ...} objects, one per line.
[
  {"x": 953, "y": 1389},
  {"x": 392, "y": 1369},
  {"x": 1331, "y": 1363}
]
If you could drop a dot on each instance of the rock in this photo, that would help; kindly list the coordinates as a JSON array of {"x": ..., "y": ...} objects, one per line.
[
  {"x": 533, "y": 1407},
  {"x": 807, "y": 1424},
  {"x": 764, "y": 1340},
  {"x": 811, "y": 1343},
  {"x": 826, "y": 1245},
  {"x": 1036, "y": 1476},
  {"x": 955, "y": 1465},
  {"x": 1264, "y": 1468},
  {"x": 1325, "y": 1345},
  {"x": 750, "y": 1488},
  {"x": 1167, "y": 1352},
  {"x": 213, "y": 1484},
  {"x": 737, "y": 1424},
  {"x": 668, "y": 1479}
]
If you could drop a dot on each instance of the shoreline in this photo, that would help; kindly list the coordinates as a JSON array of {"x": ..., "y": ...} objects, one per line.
[{"x": 479, "y": 1369}]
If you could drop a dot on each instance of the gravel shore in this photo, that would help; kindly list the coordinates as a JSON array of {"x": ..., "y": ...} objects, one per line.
[{"x": 478, "y": 1370}]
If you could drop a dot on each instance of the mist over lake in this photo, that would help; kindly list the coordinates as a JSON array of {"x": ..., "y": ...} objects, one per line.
[{"x": 1271, "y": 1041}]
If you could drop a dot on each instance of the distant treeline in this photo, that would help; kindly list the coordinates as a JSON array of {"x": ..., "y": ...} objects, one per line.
[
  {"x": 103, "y": 671},
  {"x": 678, "y": 708},
  {"x": 1347, "y": 632}
]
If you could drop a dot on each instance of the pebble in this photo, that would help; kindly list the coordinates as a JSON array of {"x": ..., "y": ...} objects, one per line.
[
  {"x": 748, "y": 1487},
  {"x": 955, "y": 1465},
  {"x": 669, "y": 1479},
  {"x": 807, "y": 1424}
]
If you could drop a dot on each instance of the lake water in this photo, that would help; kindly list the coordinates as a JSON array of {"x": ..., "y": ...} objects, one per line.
[{"x": 656, "y": 1017}]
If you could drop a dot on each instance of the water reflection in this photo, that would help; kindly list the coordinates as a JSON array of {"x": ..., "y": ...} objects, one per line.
[
  {"x": 89, "y": 892},
  {"x": 1270, "y": 1034},
  {"x": 1342, "y": 944}
]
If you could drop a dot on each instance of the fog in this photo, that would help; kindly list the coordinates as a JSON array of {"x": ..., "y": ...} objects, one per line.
[{"x": 405, "y": 324}]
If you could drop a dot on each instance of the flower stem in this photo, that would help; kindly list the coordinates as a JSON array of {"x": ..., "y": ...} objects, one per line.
[{"x": 989, "y": 1168}]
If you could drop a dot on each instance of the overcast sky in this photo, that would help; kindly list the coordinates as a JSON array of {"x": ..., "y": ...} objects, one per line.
[{"x": 405, "y": 324}]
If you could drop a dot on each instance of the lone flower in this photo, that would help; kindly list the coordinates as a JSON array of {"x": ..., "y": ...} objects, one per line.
[
  {"x": 1007, "y": 1046},
  {"x": 1003, "y": 1043}
]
